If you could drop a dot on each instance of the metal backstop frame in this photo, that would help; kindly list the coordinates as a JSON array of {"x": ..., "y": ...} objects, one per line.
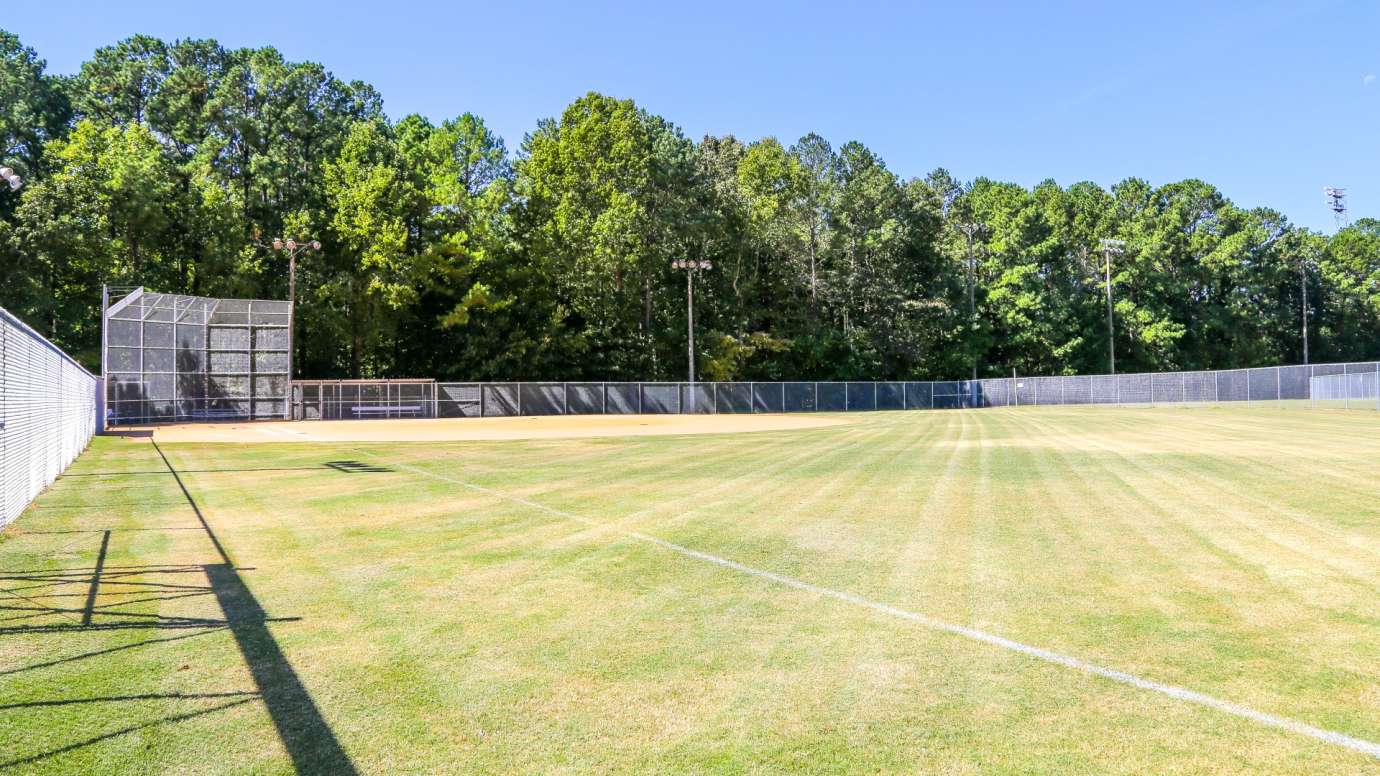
[{"x": 170, "y": 357}]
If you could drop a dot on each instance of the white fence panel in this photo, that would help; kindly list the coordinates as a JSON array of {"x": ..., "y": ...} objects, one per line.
[{"x": 47, "y": 414}]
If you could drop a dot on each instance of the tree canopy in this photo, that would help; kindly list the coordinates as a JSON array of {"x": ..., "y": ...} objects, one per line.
[{"x": 173, "y": 165}]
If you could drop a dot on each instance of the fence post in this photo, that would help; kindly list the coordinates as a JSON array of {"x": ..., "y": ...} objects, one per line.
[
  {"x": 816, "y": 409},
  {"x": 874, "y": 395},
  {"x": 905, "y": 396},
  {"x": 1278, "y": 398},
  {"x": 565, "y": 398},
  {"x": 783, "y": 398}
]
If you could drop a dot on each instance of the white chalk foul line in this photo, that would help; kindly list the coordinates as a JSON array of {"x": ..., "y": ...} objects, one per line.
[{"x": 1181, "y": 693}]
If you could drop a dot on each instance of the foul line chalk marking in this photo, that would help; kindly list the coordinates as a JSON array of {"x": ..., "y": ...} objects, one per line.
[{"x": 1191, "y": 696}]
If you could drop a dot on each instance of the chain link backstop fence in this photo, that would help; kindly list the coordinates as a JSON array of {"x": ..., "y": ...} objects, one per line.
[
  {"x": 171, "y": 357},
  {"x": 47, "y": 414}
]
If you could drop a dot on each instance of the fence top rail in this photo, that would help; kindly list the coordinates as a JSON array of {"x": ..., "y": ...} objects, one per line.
[
  {"x": 960, "y": 381},
  {"x": 7, "y": 317},
  {"x": 393, "y": 381}
]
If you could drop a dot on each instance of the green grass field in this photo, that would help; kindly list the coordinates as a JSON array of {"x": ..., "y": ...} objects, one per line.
[{"x": 515, "y": 607}]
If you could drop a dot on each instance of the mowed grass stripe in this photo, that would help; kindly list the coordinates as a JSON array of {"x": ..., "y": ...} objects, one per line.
[
  {"x": 1362, "y": 746},
  {"x": 1171, "y": 508},
  {"x": 443, "y": 629}
]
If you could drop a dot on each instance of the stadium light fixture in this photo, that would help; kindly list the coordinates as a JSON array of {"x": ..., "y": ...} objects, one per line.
[
  {"x": 292, "y": 248},
  {"x": 8, "y": 175},
  {"x": 1111, "y": 248},
  {"x": 691, "y": 266}
]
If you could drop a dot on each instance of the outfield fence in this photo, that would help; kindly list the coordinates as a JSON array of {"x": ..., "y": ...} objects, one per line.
[
  {"x": 425, "y": 398},
  {"x": 47, "y": 414}
]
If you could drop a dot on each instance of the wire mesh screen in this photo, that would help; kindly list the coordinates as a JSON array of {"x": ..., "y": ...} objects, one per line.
[
  {"x": 1199, "y": 386},
  {"x": 1232, "y": 386},
  {"x": 458, "y": 400},
  {"x": 768, "y": 397},
  {"x": 832, "y": 397},
  {"x": 47, "y": 414},
  {"x": 698, "y": 398},
  {"x": 891, "y": 396},
  {"x": 734, "y": 398},
  {"x": 919, "y": 396},
  {"x": 800, "y": 397},
  {"x": 173, "y": 357}
]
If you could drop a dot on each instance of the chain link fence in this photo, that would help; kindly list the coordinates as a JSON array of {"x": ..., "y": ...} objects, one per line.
[
  {"x": 47, "y": 414},
  {"x": 1350, "y": 391},
  {"x": 1283, "y": 385}
]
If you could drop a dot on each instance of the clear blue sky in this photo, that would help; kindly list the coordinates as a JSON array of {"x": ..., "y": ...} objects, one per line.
[{"x": 1270, "y": 101}]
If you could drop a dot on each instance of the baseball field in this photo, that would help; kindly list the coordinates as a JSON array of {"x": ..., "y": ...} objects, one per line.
[{"x": 1036, "y": 590}]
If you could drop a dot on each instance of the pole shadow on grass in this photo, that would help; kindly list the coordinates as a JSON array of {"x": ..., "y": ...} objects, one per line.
[{"x": 306, "y": 736}]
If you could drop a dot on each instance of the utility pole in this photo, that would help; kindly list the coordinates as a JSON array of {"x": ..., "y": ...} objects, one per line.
[
  {"x": 971, "y": 230},
  {"x": 1109, "y": 249},
  {"x": 292, "y": 248},
  {"x": 691, "y": 266},
  {"x": 1303, "y": 293}
]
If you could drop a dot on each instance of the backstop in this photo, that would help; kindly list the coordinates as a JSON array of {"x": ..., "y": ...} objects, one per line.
[
  {"x": 170, "y": 357},
  {"x": 47, "y": 414}
]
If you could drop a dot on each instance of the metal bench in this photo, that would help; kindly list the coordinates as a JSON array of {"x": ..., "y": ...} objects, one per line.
[
  {"x": 386, "y": 411},
  {"x": 217, "y": 414}
]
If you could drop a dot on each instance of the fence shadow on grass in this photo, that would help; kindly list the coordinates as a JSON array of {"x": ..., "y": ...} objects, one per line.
[{"x": 28, "y": 594}]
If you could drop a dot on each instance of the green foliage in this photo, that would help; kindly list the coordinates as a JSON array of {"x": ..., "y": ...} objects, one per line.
[{"x": 172, "y": 165}]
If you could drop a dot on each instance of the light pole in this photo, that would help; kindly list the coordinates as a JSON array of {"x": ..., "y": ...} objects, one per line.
[
  {"x": 292, "y": 248},
  {"x": 691, "y": 266},
  {"x": 969, "y": 231},
  {"x": 1303, "y": 306},
  {"x": 1111, "y": 248},
  {"x": 8, "y": 175}
]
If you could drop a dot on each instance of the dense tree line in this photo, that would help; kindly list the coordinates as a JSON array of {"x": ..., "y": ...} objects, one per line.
[{"x": 172, "y": 165}]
